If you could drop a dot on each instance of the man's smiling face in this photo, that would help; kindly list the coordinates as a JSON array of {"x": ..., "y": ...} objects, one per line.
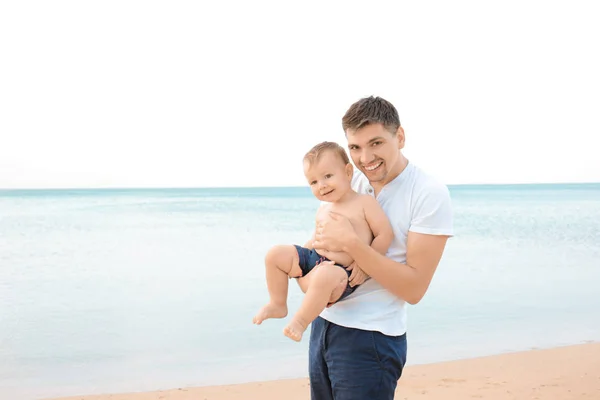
[{"x": 375, "y": 152}]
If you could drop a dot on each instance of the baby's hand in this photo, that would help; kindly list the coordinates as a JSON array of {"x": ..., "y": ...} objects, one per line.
[{"x": 358, "y": 276}]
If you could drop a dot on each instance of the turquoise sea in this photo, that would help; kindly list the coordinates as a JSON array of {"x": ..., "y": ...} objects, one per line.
[{"x": 133, "y": 290}]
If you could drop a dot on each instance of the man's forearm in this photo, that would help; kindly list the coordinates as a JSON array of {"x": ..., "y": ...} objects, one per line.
[{"x": 400, "y": 279}]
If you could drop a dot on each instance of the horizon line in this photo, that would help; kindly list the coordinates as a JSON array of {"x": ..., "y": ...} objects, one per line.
[{"x": 270, "y": 187}]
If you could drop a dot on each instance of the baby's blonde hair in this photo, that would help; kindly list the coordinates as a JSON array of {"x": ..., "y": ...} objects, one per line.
[{"x": 317, "y": 151}]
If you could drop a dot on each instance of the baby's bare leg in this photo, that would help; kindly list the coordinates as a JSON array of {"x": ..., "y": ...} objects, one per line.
[
  {"x": 304, "y": 283},
  {"x": 281, "y": 262},
  {"x": 324, "y": 287}
]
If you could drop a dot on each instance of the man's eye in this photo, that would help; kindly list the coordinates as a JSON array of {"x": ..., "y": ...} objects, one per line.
[{"x": 376, "y": 143}]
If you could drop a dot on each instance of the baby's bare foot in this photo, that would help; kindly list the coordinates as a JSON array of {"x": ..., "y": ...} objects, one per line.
[
  {"x": 270, "y": 311},
  {"x": 294, "y": 330}
]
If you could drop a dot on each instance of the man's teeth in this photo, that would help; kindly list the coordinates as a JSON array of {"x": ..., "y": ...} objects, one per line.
[{"x": 373, "y": 167}]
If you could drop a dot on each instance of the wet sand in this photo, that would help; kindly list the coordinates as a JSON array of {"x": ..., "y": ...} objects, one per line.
[{"x": 564, "y": 373}]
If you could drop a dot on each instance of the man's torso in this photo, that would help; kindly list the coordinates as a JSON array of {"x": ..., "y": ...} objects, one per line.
[{"x": 371, "y": 307}]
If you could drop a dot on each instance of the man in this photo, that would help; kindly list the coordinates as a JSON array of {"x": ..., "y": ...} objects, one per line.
[{"x": 357, "y": 347}]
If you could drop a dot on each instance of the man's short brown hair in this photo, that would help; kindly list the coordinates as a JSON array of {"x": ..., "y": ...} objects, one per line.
[
  {"x": 371, "y": 110},
  {"x": 317, "y": 151}
]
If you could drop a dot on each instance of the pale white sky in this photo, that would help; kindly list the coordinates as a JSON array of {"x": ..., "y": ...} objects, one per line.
[{"x": 174, "y": 93}]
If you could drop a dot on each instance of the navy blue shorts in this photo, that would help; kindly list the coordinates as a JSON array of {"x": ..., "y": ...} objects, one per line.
[
  {"x": 352, "y": 364},
  {"x": 308, "y": 259}
]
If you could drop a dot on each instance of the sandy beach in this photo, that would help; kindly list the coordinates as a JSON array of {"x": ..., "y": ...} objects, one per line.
[{"x": 564, "y": 373}]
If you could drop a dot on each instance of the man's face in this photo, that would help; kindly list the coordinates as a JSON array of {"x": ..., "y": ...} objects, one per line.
[{"x": 374, "y": 151}]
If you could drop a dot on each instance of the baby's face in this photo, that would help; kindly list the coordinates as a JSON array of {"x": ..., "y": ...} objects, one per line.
[{"x": 329, "y": 178}]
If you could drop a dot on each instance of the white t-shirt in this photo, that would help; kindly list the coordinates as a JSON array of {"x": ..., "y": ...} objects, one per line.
[{"x": 415, "y": 202}]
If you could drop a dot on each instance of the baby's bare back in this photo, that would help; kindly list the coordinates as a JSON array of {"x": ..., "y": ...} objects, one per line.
[{"x": 354, "y": 211}]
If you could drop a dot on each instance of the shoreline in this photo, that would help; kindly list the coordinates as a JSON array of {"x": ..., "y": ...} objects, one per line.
[{"x": 565, "y": 373}]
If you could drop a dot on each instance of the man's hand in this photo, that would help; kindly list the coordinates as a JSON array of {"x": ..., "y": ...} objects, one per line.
[
  {"x": 358, "y": 276},
  {"x": 334, "y": 234}
]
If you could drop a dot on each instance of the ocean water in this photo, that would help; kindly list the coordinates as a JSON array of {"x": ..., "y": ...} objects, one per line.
[{"x": 132, "y": 290}]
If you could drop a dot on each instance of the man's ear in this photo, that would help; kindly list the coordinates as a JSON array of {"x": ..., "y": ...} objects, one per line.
[{"x": 400, "y": 137}]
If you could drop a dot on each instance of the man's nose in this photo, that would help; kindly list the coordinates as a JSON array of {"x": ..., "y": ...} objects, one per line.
[{"x": 366, "y": 156}]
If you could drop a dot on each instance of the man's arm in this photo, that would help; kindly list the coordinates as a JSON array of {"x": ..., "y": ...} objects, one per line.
[
  {"x": 379, "y": 224},
  {"x": 430, "y": 228},
  {"x": 408, "y": 281}
]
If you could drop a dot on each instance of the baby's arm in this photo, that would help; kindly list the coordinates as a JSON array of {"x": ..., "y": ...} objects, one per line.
[{"x": 379, "y": 224}]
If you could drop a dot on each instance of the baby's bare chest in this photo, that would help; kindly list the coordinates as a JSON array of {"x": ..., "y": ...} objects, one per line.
[{"x": 354, "y": 212}]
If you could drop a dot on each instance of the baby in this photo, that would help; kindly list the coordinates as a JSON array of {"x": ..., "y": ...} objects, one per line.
[{"x": 329, "y": 174}]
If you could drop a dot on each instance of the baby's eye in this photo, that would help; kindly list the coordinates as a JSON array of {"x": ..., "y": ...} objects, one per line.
[
  {"x": 328, "y": 176},
  {"x": 313, "y": 183}
]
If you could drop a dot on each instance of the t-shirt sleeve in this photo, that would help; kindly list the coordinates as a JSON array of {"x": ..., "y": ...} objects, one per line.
[{"x": 432, "y": 213}]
